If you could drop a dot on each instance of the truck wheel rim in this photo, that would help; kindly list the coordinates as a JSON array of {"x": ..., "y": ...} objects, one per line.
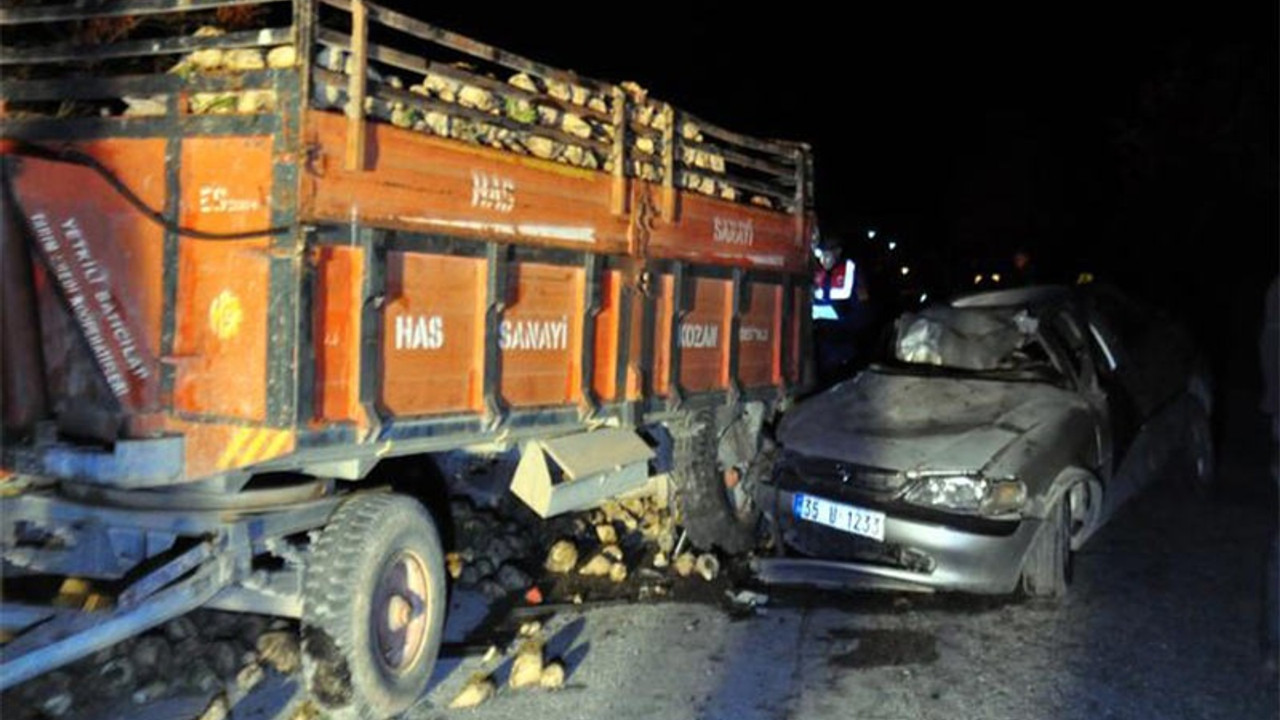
[{"x": 399, "y": 613}]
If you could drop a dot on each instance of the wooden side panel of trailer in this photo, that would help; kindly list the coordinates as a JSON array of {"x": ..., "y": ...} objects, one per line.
[{"x": 424, "y": 184}]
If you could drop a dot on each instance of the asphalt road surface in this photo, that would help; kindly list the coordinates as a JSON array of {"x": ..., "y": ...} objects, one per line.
[{"x": 1162, "y": 622}]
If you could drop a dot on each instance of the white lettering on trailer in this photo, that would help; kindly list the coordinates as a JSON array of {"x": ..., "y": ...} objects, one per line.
[
  {"x": 492, "y": 192},
  {"x": 748, "y": 333},
  {"x": 734, "y": 232},
  {"x": 91, "y": 316},
  {"x": 217, "y": 199},
  {"x": 697, "y": 337},
  {"x": 419, "y": 332},
  {"x": 534, "y": 334},
  {"x": 124, "y": 339}
]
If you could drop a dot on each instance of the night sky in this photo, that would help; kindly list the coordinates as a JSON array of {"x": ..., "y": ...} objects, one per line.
[{"x": 1137, "y": 143}]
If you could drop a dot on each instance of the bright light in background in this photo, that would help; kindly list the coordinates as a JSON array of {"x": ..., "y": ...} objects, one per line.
[
  {"x": 892, "y": 245},
  {"x": 923, "y": 297},
  {"x": 995, "y": 277},
  {"x": 871, "y": 234},
  {"x": 905, "y": 270},
  {"x": 977, "y": 279}
]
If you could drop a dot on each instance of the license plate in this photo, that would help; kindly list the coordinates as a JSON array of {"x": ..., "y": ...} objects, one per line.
[{"x": 847, "y": 518}]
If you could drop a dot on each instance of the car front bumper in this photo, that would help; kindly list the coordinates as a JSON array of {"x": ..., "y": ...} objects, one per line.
[{"x": 915, "y": 555}]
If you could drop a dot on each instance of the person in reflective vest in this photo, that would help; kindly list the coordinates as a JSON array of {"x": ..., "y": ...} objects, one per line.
[
  {"x": 832, "y": 283},
  {"x": 835, "y": 301}
]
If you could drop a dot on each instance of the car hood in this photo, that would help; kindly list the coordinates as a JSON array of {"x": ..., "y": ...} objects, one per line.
[{"x": 919, "y": 422}]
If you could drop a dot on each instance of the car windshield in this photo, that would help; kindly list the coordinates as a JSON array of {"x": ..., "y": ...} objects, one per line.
[{"x": 986, "y": 341}]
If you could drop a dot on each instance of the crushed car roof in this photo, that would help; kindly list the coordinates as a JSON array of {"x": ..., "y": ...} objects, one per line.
[{"x": 1012, "y": 297}]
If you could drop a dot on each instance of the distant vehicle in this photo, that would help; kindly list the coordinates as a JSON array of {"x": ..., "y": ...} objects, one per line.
[{"x": 1002, "y": 430}]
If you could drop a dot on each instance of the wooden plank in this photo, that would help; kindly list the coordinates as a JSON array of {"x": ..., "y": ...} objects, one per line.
[
  {"x": 356, "y": 86},
  {"x": 422, "y": 66},
  {"x": 741, "y": 183},
  {"x": 112, "y": 8},
  {"x": 782, "y": 149},
  {"x": 669, "y": 164},
  {"x": 91, "y": 87},
  {"x": 802, "y": 189},
  {"x": 422, "y": 102},
  {"x": 618, "y": 195},
  {"x": 463, "y": 44},
  {"x": 64, "y": 52},
  {"x": 738, "y": 158}
]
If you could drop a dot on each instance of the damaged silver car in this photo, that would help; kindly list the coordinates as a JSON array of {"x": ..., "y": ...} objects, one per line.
[{"x": 998, "y": 433}]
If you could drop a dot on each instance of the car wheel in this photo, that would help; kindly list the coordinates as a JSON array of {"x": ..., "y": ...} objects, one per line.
[
  {"x": 1046, "y": 572},
  {"x": 373, "y": 606},
  {"x": 717, "y": 510}
]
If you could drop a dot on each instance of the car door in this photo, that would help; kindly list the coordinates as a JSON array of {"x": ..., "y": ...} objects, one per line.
[{"x": 1146, "y": 372}]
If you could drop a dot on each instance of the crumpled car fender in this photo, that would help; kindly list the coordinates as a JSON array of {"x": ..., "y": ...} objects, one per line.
[{"x": 1061, "y": 440}]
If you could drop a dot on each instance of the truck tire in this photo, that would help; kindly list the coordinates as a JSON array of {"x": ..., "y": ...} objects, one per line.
[
  {"x": 373, "y": 606},
  {"x": 710, "y": 516},
  {"x": 1046, "y": 573}
]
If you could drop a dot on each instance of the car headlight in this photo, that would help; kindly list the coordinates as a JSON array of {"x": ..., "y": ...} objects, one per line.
[{"x": 968, "y": 494}]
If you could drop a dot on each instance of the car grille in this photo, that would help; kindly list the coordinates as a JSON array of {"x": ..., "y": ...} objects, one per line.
[{"x": 839, "y": 474}]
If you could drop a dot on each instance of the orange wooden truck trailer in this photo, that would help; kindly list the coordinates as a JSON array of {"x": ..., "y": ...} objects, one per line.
[{"x": 260, "y": 258}]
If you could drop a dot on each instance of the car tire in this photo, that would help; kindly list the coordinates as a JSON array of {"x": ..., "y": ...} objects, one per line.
[
  {"x": 709, "y": 514},
  {"x": 379, "y": 559},
  {"x": 1046, "y": 572}
]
